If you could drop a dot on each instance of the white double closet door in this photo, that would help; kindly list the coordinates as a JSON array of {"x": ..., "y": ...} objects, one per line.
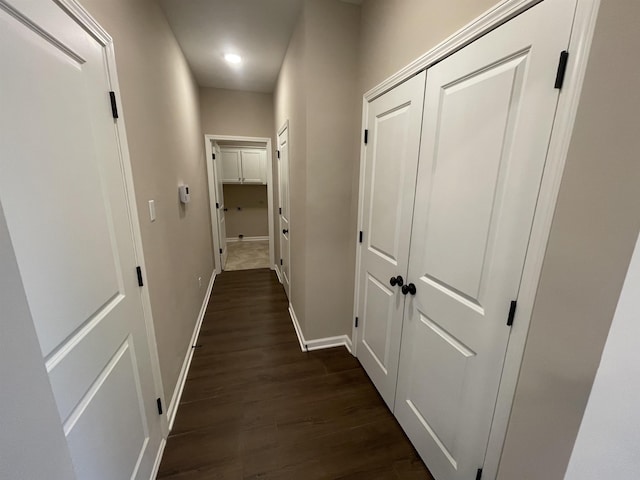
[{"x": 452, "y": 176}]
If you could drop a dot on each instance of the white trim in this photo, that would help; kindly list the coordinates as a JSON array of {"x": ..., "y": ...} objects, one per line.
[
  {"x": 329, "y": 342},
  {"x": 297, "y": 328},
  {"x": 317, "y": 343},
  {"x": 277, "y": 270},
  {"x": 186, "y": 364},
  {"x": 579, "y": 46},
  {"x": 284, "y": 127},
  {"x": 247, "y": 239},
  {"x": 156, "y": 463},
  {"x": 208, "y": 139}
]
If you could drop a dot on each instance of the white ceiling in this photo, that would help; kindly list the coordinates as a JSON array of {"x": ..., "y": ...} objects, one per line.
[{"x": 257, "y": 30}]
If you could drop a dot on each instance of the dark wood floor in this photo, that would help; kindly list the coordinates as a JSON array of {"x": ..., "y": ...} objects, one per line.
[{"x": 256, "y": 407}]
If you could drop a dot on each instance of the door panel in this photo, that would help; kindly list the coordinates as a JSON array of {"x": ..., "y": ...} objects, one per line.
[
  {"x": 390, "y": 175},
  {"x": 488, "y": 115},
  {"x": 222, "y": 224},
  {"x": 283, "y": 189},
  {"x": 252, "y": 166},
  {"x": 65, "y": 200},
  {"x": 231, "y": 165}
]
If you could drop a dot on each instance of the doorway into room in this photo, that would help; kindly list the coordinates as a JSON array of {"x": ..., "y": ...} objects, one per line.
[{"x": 241, "y": 199}]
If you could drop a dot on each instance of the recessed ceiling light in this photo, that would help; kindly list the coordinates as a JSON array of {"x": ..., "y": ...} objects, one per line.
[{"x": 232, "y": 58}]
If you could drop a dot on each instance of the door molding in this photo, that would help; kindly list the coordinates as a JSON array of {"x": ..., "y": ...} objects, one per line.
[
  {"x": 579, "y": 47},
  {"x": 208, "y": 140},
  {"x": 285, "y": 126},
  {"x": 88, "y": 23}
]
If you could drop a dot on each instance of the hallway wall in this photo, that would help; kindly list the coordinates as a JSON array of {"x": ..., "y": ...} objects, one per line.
[
  {"x": 161, "y": 110},
  {"x": 317, "y": 93}
]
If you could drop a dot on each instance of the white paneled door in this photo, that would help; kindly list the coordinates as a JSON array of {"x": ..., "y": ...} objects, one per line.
[
  {"x": 220, "y": 206},
  {"x": 68, "y": 213},
  {"x": 254, "y": 166},
  {"x": 283, "y": 189},
  {"x": 390, "y": 179},
  {"x": 231, "y": 165},
  {"x": 488, "y": 115}
]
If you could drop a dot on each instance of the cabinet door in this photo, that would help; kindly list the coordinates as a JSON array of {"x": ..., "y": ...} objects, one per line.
[
  {"x": 390, "y": 180},
  {"x": 253, "y": 166},
  {"x": 231, "y": 166},
  {"x": 488, "y": 115}
]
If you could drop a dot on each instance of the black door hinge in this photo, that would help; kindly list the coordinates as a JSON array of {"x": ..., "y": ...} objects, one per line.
[
  {"x": 479, "y": 474},
  {"x": 213, "y": 156},
  {"x": 280, "y": 210},
  {"x": 356, "y": 322},
  {"x": 361, "y": 235},
  {"x": 139, "y": 272},
  {"x": 562, "y": 69},
  {"x": 220, "y": 251},
  {"x": 366, "y": 136},
  {"x": 512, "y": 312},
  {"x": 159, "y": 403},
  {"x": 114, "y": 105},
  {"x": 280, "y": 261},
  {"x": 217, "y": 205},
  {"x": 278, "y": 153}
]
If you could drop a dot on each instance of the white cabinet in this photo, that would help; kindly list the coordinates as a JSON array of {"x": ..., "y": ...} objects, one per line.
[{"x": 244, "y": 165}]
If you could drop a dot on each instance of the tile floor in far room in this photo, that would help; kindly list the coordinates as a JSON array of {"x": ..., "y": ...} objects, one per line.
[{"x": 247, "y": 255}]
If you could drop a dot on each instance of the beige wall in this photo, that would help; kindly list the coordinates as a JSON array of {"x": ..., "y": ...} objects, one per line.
[
  {"x": 252, "y": 220},
  {"x": 233, "y": 112},
  {"x": 594, "y": 231},
  {"x": 290, "y": 105},
  {"x": 396, "y": 32},
  {"x": 317, "y": 93},
  {"x": 161, "y": 109}
]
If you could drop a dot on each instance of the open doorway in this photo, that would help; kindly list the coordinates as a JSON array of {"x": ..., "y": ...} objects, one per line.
[{"x": 241, "y": 198}]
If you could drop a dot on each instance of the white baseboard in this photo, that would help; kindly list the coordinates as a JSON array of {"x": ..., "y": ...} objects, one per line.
[
  {"x": 277, "y": 270},
  {"x": 317, "y": 343},
  {"x": 182, "y": 379},
  {"x": 156, "y": 463},
  {"x": 329, "y": 342},
  {"x": 296, "y": 326},
  {"x": 248, "y": 239}
]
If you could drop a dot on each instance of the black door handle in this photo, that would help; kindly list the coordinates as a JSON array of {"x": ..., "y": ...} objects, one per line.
[
  {"x": 411, "y": 288},
  {"x": 396, "y": 281},
  {"x": 285, "y": 231}
]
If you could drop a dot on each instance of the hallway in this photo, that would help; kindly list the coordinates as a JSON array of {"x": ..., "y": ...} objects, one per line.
[{"x": 256, "y": 407}]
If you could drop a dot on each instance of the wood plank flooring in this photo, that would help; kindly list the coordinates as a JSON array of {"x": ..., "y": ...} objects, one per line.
[{"x": 256, "y": 407}]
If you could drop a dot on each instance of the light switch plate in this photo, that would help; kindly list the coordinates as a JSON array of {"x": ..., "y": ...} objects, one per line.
[{"x": 152, "y": 210}]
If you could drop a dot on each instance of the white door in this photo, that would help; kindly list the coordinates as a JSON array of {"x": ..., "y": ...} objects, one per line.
[
  {"x": 230, "y": 160},
  {"x": 68, "y": 215},
  {"x": 390, "y": 178},
  {"x": 220, "y": 207},
  {"x": 489, "y": 111},
  {"x": 253, "y": 166},
  {"x": 283, "y": 189}
]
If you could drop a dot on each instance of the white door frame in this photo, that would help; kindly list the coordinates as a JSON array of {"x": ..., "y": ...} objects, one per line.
[
  {"x": 208, "y": 140},
  {"x": 285, "y": 126},
  {"x": 82, "y": 16},
  {"x": 579, "y": 47}
]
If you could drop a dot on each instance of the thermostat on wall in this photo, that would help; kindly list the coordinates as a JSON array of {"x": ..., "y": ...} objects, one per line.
[{"x": 184, "y": 193}]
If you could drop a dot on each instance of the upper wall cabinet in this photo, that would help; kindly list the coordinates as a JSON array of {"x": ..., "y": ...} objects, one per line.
[{"x": 244, "y": 165}]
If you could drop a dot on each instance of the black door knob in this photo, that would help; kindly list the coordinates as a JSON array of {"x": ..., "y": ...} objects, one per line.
[
  {"x": 396, "y": 281},
  {"x": 285, "y": 231},
  {"x": 411, "y": 288}
]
